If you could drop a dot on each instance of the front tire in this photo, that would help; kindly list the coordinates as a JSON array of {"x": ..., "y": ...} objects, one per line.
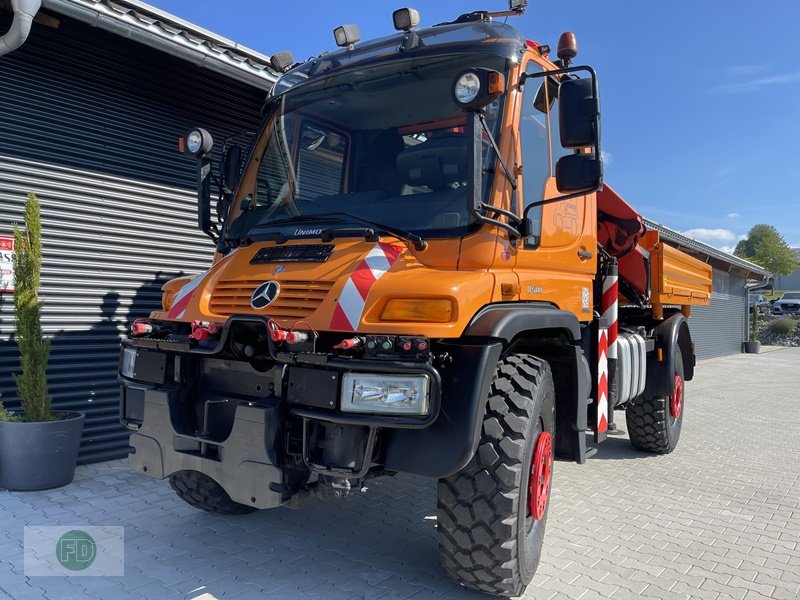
[
  {"x": 492, "y": 513},
  {"x": 654, "y": 424},
  {"x": 199, "y": 490}
]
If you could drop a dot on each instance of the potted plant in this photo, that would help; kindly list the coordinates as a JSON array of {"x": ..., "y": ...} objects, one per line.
[
  {"x": 38, "y": 447},
  {"x": 753, "y": 346}
]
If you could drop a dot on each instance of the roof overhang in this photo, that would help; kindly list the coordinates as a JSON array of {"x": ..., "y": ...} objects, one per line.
[
  {"x": 715, "y": 257},
  {"x": 148, "y": 25}
]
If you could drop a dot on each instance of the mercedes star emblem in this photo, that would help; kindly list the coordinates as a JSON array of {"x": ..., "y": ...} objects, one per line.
[{"x": 265, "y": 294}]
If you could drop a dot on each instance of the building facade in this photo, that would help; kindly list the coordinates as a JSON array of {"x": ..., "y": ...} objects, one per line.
[{"x": 93, "y": 104}]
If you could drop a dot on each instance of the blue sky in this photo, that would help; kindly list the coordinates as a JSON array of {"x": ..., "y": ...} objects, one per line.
[{"x": 700, "y": 99}]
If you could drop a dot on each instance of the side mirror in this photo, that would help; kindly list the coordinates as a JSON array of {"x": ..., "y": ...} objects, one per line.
[
  {"x": 231, "y": 164},
  {"x": 579, "y": 113},
  {"x": 578, "y": 172}
]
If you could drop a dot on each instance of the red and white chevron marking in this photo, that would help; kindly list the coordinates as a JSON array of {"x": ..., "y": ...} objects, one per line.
[
  {"x": 184, "y": 295},
  {"x": 353, "y": 298},
  {"x": 609, "y": 304},
  {"x": 602, "y": 380}
]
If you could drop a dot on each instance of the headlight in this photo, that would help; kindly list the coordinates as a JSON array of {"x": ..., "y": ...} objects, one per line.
[
  {"x": 467, "y": 87},
  {"x": 476, "y": 88},
  {"x": 391, "y": 394},
  {"x": 128, "y": 362},
  {"x": 198, "y": 142}
]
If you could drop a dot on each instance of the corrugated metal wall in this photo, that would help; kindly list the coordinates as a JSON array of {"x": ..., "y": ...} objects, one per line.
[
  {"x": 89, "y": 122},
  {"x": 720, "y": 328}
]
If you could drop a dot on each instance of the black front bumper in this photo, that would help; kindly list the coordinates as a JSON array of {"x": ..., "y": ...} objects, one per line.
[{"x": 248, "y": 457}]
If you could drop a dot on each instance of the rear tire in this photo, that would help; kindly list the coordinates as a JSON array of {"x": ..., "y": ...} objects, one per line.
[
  {"x": 654, "y": 424},
  {"x": 202, "y": 492},
  {"x": 490, "y": 535}
]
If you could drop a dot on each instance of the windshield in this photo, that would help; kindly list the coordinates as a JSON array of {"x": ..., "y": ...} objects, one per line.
[
  {"x": 384, "y": 143},
  {"x": 791, "y": 296}
]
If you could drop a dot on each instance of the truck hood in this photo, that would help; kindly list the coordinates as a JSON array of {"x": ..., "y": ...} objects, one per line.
[{"x": 340, "y": 287}]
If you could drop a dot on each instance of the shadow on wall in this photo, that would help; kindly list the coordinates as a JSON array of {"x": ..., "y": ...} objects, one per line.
[{"x": 82, "y": 370}]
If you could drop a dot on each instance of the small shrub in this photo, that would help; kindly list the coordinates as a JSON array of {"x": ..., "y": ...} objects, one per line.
[
  {"x": 33, "y": 348},
  {"x": 6, "y": 415},
  {"x": 784, "y": 326}
]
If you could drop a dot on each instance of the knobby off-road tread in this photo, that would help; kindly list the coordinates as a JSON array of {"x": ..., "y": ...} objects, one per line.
[
  {"x": 478, "y": 506},
  {"x": 204, "y": 493},
  {"x": 649, "y": 421}
]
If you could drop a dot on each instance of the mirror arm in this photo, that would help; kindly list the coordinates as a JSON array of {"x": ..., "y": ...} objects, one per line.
[
  {"x": 489, "y": 135},
  {"x": 590, "y": 190},
  {"x": 513, "y": 233},
  {"x": 204, "y": 176},
  {"x": 525, "y": 76}
]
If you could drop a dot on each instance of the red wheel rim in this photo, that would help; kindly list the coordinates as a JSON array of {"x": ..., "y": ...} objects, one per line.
[
  {"x": 676, "y": 399},
  {"x": 539, "y": 481}
]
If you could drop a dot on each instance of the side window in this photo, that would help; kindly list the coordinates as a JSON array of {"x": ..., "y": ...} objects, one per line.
[{"x": 540, "y": 145}]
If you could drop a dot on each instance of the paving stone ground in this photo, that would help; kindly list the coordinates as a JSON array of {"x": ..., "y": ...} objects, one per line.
[{"x": 717, "y": 519}]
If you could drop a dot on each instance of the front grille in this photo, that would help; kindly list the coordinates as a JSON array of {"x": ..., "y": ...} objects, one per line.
[{"x": 296, "y": 300}]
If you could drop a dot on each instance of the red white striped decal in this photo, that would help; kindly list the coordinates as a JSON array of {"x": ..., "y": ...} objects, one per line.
[
  {"x": 184, "y": 296},
  {"x": 609, "y": 304},
  {"x": 353, "y": 298},
  {"x": 602, "y": 380}
]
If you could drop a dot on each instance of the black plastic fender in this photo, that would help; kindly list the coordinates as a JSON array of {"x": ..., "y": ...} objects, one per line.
[
  {"x": 450, "y": 442},
  {"x": 505, "y": 321},
  {"x": 673, "y": 333}
]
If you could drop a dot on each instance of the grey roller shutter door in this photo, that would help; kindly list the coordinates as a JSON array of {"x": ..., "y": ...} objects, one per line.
[
  {"x": 720, "y": 328},
  {"x": 89, "y": 122}
]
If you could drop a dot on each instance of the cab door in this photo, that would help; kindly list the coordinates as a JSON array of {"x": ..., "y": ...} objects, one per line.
[{"x": 558, "y": 262}]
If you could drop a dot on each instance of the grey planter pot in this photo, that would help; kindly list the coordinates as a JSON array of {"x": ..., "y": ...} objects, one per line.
[
  {"x": 39, "y": 456},
  {"x": 752, "y": 347}
]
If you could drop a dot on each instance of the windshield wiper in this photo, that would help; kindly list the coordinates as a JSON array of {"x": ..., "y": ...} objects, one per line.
[{"x": 418, "y": 243}]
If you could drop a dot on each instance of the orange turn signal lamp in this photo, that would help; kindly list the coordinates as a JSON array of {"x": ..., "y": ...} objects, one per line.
[{"x": 420, "y": 310}]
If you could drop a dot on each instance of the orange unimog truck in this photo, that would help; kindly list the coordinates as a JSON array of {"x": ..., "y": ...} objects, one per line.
[{"x": 418, "y": 270}]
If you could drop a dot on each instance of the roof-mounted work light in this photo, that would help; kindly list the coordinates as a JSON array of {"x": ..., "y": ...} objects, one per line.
[
  {"x": 346, "y": 36},
  {"x": 405, "y": 19},
  {"x": 281, "y": 61},
  {"x": 198, "y": 143}
]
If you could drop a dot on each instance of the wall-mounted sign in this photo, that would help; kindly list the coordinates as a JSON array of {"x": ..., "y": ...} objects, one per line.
[{"x": 6, "y": 272}]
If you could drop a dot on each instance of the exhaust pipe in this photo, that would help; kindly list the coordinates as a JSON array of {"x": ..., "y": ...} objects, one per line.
[{"x": 24, "y": 11}]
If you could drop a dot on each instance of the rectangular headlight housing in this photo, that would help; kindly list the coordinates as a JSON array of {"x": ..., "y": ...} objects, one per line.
[
  {"x": 386, "y": 394},
  {"x": 127, "y": 363}
]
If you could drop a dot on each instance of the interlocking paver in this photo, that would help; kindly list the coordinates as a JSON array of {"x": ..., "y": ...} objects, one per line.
[{"x": 718, "y": 519}]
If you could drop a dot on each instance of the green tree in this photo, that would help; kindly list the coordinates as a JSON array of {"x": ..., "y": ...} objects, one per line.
[
  {"x": 766, "y": 247},
  {"x": 33, "y": 348}
]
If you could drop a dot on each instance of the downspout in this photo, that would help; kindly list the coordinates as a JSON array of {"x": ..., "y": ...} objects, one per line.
[{"x": 24, "y": 11}]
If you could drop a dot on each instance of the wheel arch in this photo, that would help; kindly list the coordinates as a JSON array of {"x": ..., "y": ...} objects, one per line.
[
  {"x": 671, "y": 334},
  {"x": 539, "y": 329},
  {"x": 554, "y": 335}
]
